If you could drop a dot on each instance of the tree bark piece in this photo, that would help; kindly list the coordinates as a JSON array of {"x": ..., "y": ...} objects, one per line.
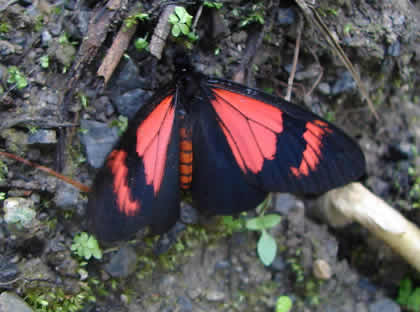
[
  {"x": 116, "y": 51},
  {"x": 161, "y": 32}
]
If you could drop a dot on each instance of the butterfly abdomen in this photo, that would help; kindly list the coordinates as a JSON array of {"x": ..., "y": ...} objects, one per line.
[{"x": 185, "y": 159}]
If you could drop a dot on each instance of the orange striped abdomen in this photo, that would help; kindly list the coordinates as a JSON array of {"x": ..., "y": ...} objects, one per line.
[{"x": 185, "y": 159}]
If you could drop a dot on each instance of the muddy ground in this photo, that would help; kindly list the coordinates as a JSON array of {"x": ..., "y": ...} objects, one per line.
[{"x": 55, "y": 112}]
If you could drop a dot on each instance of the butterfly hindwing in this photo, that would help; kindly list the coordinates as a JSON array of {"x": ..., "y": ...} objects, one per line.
[
  {"x": 138, "y": 184},
  {"x": 280, "y": 146}
]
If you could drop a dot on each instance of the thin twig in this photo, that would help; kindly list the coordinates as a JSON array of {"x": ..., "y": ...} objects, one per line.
[
  {"x": 295, "y": 60},
  {"x": 316, "y": 20},
  {"x": 76, "y": 184},
  {"x": 317, "y": 81},
  {"x": 197, "y": 17}
]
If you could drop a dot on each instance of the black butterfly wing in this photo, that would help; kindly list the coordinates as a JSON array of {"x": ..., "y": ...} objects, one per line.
[
  {"x": 279, "y": 146},
  {"x": 138, "y": 185}
]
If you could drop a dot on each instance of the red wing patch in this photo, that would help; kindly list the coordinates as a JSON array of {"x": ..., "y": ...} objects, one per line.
[
  {"x": 315, "y": 132},
  {"x": 250, "y": 127},
  {"x": 125, "y": 203},
  {"x": 153, "y": 137}
]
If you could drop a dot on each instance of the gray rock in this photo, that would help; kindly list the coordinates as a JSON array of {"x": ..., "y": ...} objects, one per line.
[
  {"x": 286, "y": 16},
  {"x": 19, "y": 210},
  {"x": 34, "y": 269},
  {"x": 284, "y": 202},
  {"x": 123, "y": 263},
  {"x": 394, "y": 49},
  {"x": 344, "y": 83},
  {"x": 8, "y": 270},
  {"x": 130, "y": 102},
  {"x": 215, "y": 295},
  {"x": 45, "y": 38},
  {"x": 185, "y": 304},
  {"x": 98, "y": 140},
  {"x": 384, "y": 305},
  {"x": 43, "y": 136},
  {"x": 126, "y": 78},
  {"x": 324, "y": 88},
  {"x": 66, "y": 196},
  {"x": 10, "y": 302}
]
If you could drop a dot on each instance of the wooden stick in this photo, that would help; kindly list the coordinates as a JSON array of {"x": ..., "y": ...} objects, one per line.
[
  {"x": 116, "y": 51},
  {"x": 354, "y": 202},
  {"x": 161, "y": 32}
]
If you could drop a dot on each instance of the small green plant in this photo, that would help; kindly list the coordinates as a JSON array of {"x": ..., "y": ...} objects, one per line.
[
  {"x": 44, "y": 61},
  {"x": 409, "y": 297},
  {"x": 86, "y": 246},
  {"x": 16, "y": 77},
  {"x": 2, "y": 195},
  {"x": 39, "y": 23},
  {"x": 266, "y": 246},
  {"x": 232, "y": 224},
  {"x": 256, "y": 16},
  {"x": 284, "y": 304},
  {"x": 141, "y": 44},
  {"x": 32, "y": 129},
  {"x": 181, "y": 21},
  {"x": 121, "y": 123},
  {"x": 4, "y": 28},
  {"x": 213, "y": 4},
  {"x": 414, "y": 193},
  {"x": 63, "y": 39},
  {"x": 3, "y": 170},
  {"x": 296, "y": 267},
  {"x": 43, "y": 299},
  {"x": 134, "y": 19},
  {"x": 83, "y": 100},
  {"x": 347, "y": 29},
  {"x": 330, "y": 116}
]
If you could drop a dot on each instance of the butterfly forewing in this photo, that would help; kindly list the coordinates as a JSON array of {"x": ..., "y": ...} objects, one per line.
[{"x": 280, "y": 146}]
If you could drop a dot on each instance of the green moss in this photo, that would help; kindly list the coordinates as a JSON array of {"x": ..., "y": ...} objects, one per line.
[{"x": 55, "y": 299}]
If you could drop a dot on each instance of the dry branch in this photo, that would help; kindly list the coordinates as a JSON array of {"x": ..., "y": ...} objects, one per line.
[
  {"x": 116, "y": 51},
  {"x": 161, "y": 32},
  {"x": 354, "y": 202}
]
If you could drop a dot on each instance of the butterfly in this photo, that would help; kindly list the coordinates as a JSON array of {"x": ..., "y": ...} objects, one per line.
[{"x": 227, "y": 144}]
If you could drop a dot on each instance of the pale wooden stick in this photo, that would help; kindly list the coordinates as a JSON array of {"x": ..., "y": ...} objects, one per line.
[{"x": 356, "y": 203}]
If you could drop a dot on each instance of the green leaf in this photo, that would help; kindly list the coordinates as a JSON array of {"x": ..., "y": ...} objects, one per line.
[
  {"x": 266, "y": 248},
  {"x": 404, "y": 291},
  {"x": 284, "y": 304},
  {"x": 44, "y": 61},
  {"x": 263, "y": 222},
  {"x": 211, "y": 4},
  {"x": 16, "y": 77},
  {"x": 184, "y": 29},
  {"x": 86, "y": 246},
  {"x": 176, "y": 31},
  {"x": 87, "y": 254},
  {"x": 414, "y": 300},
  {"x": 180, "y": 11},
  {"x": 141, "y": 44},
  {"x": 173, "y": 19}
]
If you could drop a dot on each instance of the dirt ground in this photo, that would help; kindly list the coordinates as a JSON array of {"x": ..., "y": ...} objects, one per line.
[{"x": 56, "y": 112}]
